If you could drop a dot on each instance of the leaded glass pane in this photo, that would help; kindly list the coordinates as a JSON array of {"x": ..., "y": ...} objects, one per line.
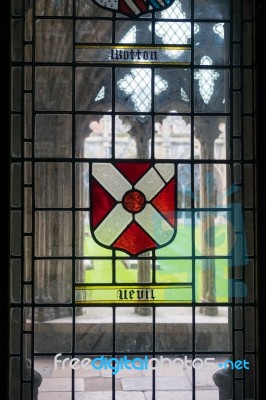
[{"x": 132, "y": 221}]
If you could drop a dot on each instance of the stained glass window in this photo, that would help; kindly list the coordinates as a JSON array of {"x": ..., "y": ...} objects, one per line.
[{"x": 132, "y": 231}]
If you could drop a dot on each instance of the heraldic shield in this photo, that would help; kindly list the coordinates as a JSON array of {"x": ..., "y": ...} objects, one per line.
[
  {"x": 133, "y": 205},
  {"x": 134, "y": 8}
]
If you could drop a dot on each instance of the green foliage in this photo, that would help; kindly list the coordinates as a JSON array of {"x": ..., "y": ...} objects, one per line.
[{"x": 168, "y": 270}]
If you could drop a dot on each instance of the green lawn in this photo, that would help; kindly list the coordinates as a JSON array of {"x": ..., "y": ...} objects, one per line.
[{"x": 179, "y": 270}]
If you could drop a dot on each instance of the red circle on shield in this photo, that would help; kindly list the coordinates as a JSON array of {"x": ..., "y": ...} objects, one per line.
[{"x": 134, "y": 201}]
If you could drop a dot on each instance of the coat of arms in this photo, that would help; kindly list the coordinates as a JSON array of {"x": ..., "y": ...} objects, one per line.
[
  {"x": 133, "y": 205},
  {"x": 134, "y": 8}
]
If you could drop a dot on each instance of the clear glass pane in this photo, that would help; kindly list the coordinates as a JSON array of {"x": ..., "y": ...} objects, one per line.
[
  {"x": 172, "y": 137},
  {"x": 26, "y": 390},
  {"x": 53, "y": 281},
  {"x": 127, "y": 270},
  {"x": 28, "y": 52},
  {"x": 94, "y": 136},
  {"x": 89, "y": 9},
  {"x": 249, "y": 232},
  {"x": 16, "y": 89},
  {"x": 178, "y": 10},
  {"x": 238, "y": 315},
  {"x": 53, "y": 185},
  {"x": 248, "y": 138},
  {"x": 133, "y": 32},
  {"x": 53, "y": 135},
  {"x": 214, "y": 10},
  {"x": 49, "y": 7},
  {"x": 94, "y": 271},
  {"x": 213, "y": 230},
  {"x": 16, "y": 185},
  {"x": 249, "y": 185},
  {"x": 49, "y": 367},
  {"x": 212, "y": 331},
  {"x": 211, "y": 88},
  {"x": 27, "y": 294},
  {"x": 97, "y": 97},
  {"x": 247, "y": 91},
  {"x": 239, "y": 349},
  {"x": 16, "y": 40},
  {"x": 27, "y": 173},
  {"x": 15, "y": 277},
  {"x": 16, "y": 7},
  {"x": 172, "y": 32},
  {"x": 15, "y": 376},
  {"x": 237, "y": 149},
  {"x": 96, "y": 378},
  {"x": 248, "y": 9},
  {"x": 173, "y": 329},
  {"x": 236, "y": 54},
  {"x": 217, "y": 44},
  {"x": 247, "y": 47},
  {"x": 239, "y": 389},
  {"x": 15, "y": 235},
  {"x": 28, "y": 210},
  {"x": 28, "y": 150},
  {"x": 172, "y": 90},
  {"x": 205, "y": 368},
  {"x": 249, "y": 285},
  {"x": 135, "y": 384},
  {"x": 53, "y": 233},
  {"x": 250, "y": 377},
  {"x": 211, "y": 139},
  {"x": 28, "y": 116},
  {"x": 27, "y": 352},
  {"x": 28, "y": 20},
  {"x": 27, "y": 258},
  {"x": 236, "y": 113},
  {"x": 184, "y": 194},
  {"x": 100, "y": 336},
  {"x": 15, "y": 327},
  {"x": 181, "y": 246},
  {"x": 139, "y": 326},
  {"x": 49, "y": 36},
  {"x": 132, "y": 136},
  {"x": 133, "y": 89},
  {"x": 236, "y": 26},
  {"x": 16, "y": 135},
  {"x": 173, "y": 271},
  {"x": 236, "y": 78},
  {"x": 82, "y": 185},
  {"x": 49, "y": 82},
  {"x": 93, "y": 31},
  {"x": 51, "y": 336},
  {"x": 212, "y": 281}
]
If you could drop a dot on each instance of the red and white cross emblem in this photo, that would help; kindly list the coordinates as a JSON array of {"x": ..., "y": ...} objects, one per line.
[{"x": 133, "y": 205}]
